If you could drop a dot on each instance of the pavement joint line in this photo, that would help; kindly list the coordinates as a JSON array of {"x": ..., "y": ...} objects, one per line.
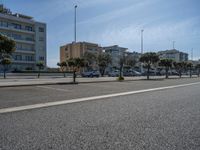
[
  {"x": 63, "y": 102},
  {"x": 51, "y": 88}
]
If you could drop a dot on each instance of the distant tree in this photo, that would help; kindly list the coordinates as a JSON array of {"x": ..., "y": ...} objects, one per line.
[
  {"x": 179, "y": 67},
  {"x": 5, "y": 61},
  {"x": 7, "y": 47},
  {"x": 190, "y": 67},
  {"x": 63, "y": 66},
  {"x": 167, "y": 64},
  {"x": 75, "y": 64},
  {"x": 103, "y": 61},
  {"x": 89, "y": 59},
  {"x": 40, "y": 66},
  {"x": 149, "y": 59},
  {"x": 122, "y": 60},
  {"x": 197, "y": 67},
  {"x": 129, "y": 62}
]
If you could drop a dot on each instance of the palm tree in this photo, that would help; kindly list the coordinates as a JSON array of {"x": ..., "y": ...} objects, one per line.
[
  {"x": 75, "y": 64},
  {"x": 122, "y": 60},
  {"x": 90, "y": 58},
  {"x": 167, "y": 63},
  {"x": 198, "y": 69},
  {"x": 149, "y": 59},
  {"x": 63, "y": 66},
  {"x": 179, "y": 67},
  {"x": 103, "y": 61},
  {"x": 40, "y": 66},
  {"x": 190, "y": 67},
  {"x": 5, "y": 62}
]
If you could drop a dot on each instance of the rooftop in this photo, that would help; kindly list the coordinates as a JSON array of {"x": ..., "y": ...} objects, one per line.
[
  {"x": 4, "y": 10},
  {"x": 171, "y": 51}
]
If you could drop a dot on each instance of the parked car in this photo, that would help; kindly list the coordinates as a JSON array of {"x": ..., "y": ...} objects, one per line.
[
  {"x": 114, "y": 73},
  {"x": 91, "y": 74},
  {"x": 152, "y": 73},
  {"x": 132, "y": 73}
]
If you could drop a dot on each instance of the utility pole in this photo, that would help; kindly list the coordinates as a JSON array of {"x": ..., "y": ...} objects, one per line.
[
  {"x": 141, "y": 67},
  {"x": 192, "y": 54},
  {"x": 75, "y": 7},
  {"x": 142, "y": 41},
  {"x": 174, "y": 44}
]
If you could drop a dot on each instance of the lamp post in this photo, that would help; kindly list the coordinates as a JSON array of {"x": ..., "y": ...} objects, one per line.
[
  {"x": 173, "y": 44},
  {"x": 142, "y": 41},
  {"x": 75, "y": 7},
  {"x": 141, "y": 67}
]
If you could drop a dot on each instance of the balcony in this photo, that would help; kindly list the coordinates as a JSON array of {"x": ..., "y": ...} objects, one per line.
[
  {"x": 21, "y": 40},
  {"x": 24, "y": 51},
  {"x": 23, "y": 62},
  {"x": 10, "y": 28}
]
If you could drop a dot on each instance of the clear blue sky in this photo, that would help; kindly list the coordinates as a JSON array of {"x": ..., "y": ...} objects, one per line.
[{"x": 110, "y": 22}]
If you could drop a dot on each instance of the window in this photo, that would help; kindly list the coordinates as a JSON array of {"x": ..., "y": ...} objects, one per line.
[
  {"x": 41, "y": 29},
  {"x": 16, "y": 26},
  {"x": 17, "y": 36},
  {"x": 19, "y": 46},
  {"x": 29, "y": 39},
  {"x": 29, "y": 58},
  {"x": 41, "y": 38},
  {"x": 4, "y": 24},
  {"x": 28, "y": 28},
  {"x": 18, "y": 57},
  {"x": 41, "y": 58}
]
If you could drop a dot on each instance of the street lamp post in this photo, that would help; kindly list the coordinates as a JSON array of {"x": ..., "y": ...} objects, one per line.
[
  {"x": 142, "y": 41},
  {"x": 141, "y": 67},
  {"x": 75, "y": 7},
  {"x": 174, "y": 44}
]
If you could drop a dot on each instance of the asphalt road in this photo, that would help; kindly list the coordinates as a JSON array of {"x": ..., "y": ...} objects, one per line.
[
  {"x": 27, "y": 95},
  {"x": 166, "y": 119}
]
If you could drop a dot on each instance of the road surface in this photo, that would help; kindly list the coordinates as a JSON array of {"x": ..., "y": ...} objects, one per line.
[{"x": 159, "y": 119}]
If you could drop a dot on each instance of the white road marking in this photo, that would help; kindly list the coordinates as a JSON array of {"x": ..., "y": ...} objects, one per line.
[
  {"x": 51, "y": 88},
  {"x": 63, "y": 102}
]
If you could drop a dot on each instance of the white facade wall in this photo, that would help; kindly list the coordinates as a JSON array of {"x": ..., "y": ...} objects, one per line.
[{"x": 30, "y": 42}]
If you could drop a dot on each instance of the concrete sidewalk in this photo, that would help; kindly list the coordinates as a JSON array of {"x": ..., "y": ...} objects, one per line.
[
  {"x": 10, "y": 82},
  {"x": 48, "y": 80}
]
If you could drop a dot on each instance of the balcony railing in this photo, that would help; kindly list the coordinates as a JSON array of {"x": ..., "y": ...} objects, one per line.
[{"x": 16, "y": 29}]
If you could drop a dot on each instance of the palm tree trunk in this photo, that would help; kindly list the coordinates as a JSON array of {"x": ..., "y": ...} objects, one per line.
[
  {"x": 190, "y": 73},
  {"x": 39, "y": 73},
  {"x": 148, "y": 73},
  {"x": 120, "y": 72},
  {"x": 74, "y": 76},
  {"x": 4, "y": 72},
  {"x": 167, "y": 71},
  {"x": 180, "y": 74}
]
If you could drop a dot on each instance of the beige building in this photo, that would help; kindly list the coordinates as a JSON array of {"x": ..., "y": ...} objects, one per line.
[{"x": 77, "y": 50}]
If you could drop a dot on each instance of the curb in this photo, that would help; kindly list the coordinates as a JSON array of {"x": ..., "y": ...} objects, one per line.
[
  {"x": 68, "y": 83},
  {"x": 86, "y": 82}
]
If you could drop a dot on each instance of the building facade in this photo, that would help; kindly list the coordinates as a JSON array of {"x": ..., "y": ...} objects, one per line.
[
  {"x": 30, "y": 38},
  {"x": 116, "y": 52},
  {"x": 173, "y": 54},
  {"x": 77, "y": 50}
]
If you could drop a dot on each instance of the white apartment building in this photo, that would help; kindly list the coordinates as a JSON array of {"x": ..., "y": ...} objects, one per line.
[
  {"x": 30, "y": 38},
  {"x": 173, "y": 54},
  {"x": 116, "y": 53}
]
